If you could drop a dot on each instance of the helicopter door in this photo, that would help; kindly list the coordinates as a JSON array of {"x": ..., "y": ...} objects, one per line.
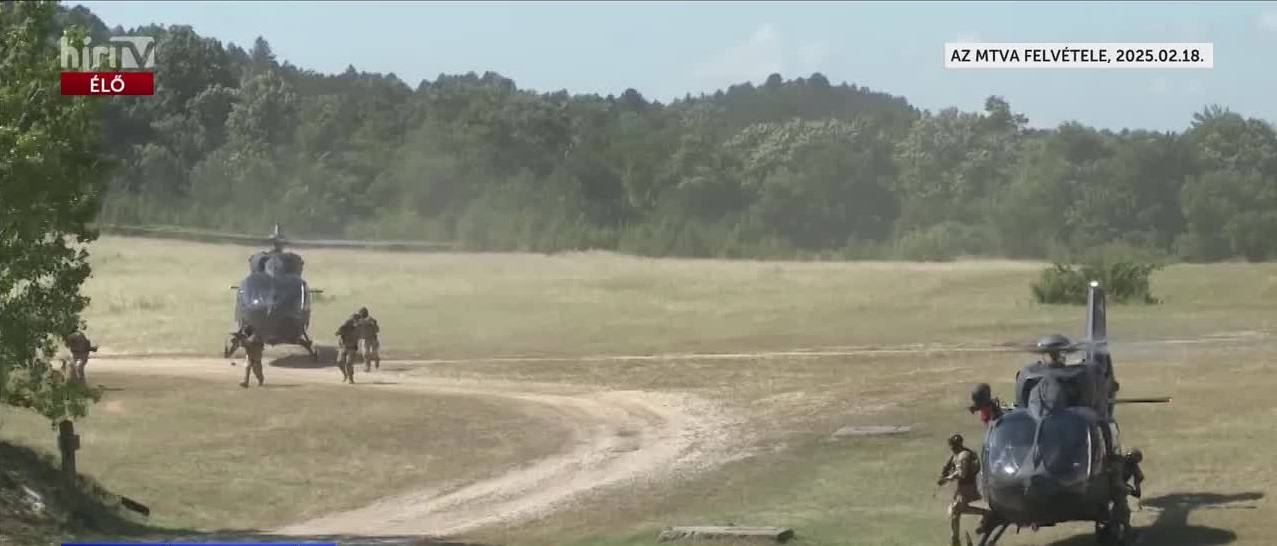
[
  {"x": 305, "y": 299},
  {"x": 1116, "y": 436},
  {"x": 1100, "y": 448}
]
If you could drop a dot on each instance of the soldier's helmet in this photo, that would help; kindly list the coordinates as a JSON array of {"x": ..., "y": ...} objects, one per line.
[
  {"x": 1054, "y": 344},
  {"x": 363, "y": 312},
  {"x": 981, "y": 396},
  {"x": 248, "y": 329},
  {"x": 955, "y": 440},
  {"x": 1136, "y": 456}
]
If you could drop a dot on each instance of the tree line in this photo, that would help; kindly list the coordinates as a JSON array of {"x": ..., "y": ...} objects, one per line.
[{"x": 236, "y": 139}]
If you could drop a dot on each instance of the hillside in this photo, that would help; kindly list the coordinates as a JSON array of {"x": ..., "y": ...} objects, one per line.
[
  {"x": 38, "y": 510},
  {"x": 236, "y": 139}
]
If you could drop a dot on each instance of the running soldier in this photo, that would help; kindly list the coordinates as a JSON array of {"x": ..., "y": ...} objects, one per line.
[
  {"x": 253, "y": 346},
  {"x": 80, "y": 347},
  {"x": 963, "y": 466},
  {"x": 348, "y": 347},
  {"x": 368, "y": 331}
]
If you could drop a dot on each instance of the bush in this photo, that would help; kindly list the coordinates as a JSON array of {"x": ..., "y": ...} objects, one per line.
[
  {"x": 943, "y": 242},
  {"x": 1123, "y": 280}
]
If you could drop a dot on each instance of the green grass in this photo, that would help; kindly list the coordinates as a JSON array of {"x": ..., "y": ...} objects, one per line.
[
  {"x": 161, "y": 296},
  {"x": 208, "y": 455}
]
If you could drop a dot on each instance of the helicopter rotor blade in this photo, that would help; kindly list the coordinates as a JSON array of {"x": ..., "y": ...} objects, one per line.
[
  {"x": 1074, "y": 347},
  {"x": 216, "y": 237}
]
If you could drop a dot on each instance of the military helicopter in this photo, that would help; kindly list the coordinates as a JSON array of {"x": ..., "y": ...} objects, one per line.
[
  {"x": 274, "y": 298},
  {"x": 1055, "y": 457}
]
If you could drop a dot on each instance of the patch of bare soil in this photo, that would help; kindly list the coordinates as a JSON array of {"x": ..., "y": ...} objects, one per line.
[{"x": 620, "y": 437}]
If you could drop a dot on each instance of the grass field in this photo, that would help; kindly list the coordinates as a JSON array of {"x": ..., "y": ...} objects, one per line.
[
  {"x": 155, "y": 296},
  {"x": 208, "y": 455}
]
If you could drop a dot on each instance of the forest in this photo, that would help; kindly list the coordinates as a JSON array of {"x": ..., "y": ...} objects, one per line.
[{"x": 235, "y": 140}]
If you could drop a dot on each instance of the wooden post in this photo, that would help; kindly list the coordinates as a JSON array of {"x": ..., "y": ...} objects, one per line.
[{"x": 68, "y": 444}]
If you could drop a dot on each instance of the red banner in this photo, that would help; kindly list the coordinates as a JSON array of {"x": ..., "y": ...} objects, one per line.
[{"x": 108, "y": 83}]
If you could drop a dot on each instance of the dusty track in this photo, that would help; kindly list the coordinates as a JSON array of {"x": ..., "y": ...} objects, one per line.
[
  {"x": 1137, "y": 346},
  {"x": 618, "y": 437}
]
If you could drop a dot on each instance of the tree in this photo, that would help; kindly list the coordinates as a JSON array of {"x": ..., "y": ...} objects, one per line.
[
  {"x": 51, "y": 175},
  {"x": 236, "y": 136}
]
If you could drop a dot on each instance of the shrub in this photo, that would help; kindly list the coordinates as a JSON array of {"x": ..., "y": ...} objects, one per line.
[
  {"x": 943, "y": 242},
  {"x": 1123, "y": 280}
]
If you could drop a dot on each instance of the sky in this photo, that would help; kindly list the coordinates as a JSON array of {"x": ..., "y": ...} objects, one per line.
[{"x": 667, "y": 49}]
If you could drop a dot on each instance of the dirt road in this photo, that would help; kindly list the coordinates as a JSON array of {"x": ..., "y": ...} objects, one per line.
[{"x": 619, "y": 437}]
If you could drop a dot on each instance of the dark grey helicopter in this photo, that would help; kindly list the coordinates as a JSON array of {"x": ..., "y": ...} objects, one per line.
[
  {"x": 1056, "y": 456},
  {"x": 274, "y": 298}
]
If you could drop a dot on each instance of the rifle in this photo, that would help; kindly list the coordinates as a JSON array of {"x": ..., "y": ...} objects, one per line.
[
  {"x": 236, "y": 340},
  {"x": 944, "y": 472}
]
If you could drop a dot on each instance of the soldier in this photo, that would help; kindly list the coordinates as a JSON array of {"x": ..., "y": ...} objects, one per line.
[
  {"x": 253, "y": 346},
  {"x": 368, "y": 331},
  {"x": 963, "y": 466},
  {"x": 348, "y": 343},
  {"x": 80, "y": 347},
  {"x": 982, "y": 401},
  {"x": 1132, "y": 475},
  {"x": 1054, "y": 346}
]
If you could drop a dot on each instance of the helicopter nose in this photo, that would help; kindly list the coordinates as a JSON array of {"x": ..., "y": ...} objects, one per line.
[{"x": 1040, "y": 487}]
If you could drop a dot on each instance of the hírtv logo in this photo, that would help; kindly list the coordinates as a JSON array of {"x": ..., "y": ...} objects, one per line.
[{"x": 123, "y": 53}]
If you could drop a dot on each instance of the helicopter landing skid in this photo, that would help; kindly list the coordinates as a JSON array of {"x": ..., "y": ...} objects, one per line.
[
  {"x": 307, "y": 344},
  {"x": 1116, "y": 530},
  {"x": 989, "y": 537}
]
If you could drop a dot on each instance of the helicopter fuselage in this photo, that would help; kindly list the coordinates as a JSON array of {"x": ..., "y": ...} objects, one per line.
[
  {"x": 277, "y": 306},
  {"x": 1039, "y": 470}
]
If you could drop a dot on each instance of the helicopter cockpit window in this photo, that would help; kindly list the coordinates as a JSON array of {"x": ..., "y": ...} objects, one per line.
[
  {"x": 257, "y": 263},
  {"x": 290, "y": 293},
  {"x": 1064, "y": 442},
  {"x": 1010, "y": 443},
  {"x": 255, "y": 290},
  {"x": 275, "y": 264},
  {"x": 283, "y": 263}
]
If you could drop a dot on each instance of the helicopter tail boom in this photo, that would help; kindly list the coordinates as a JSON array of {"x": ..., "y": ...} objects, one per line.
[{"x": 1096, "y": 314}]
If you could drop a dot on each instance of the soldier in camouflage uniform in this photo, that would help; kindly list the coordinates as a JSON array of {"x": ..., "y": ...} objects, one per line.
[
  {"x": 1132, "y": 475},
  {"x": 368, "y": 332},
  {"x": 348, "y": 347},
  {"x": 80, "y": 347},
  {"x": 982, "y": 401},
  {"x": 253, "y": 346},
  {"x": 963, "y": 466}
]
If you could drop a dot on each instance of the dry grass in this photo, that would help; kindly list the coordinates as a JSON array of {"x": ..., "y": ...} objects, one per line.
[
  {"x": 209, "y": 455},
  {"x": 153, "y": 295},
  {"x": 1213, "y": 439},
  {"x": 156, "y": 295}
]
